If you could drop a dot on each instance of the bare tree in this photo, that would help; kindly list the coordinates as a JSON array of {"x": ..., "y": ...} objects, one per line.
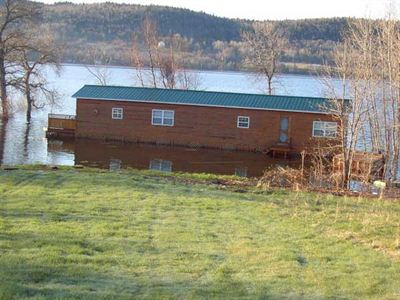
[
  {"x": 172, "y": 72},
  {"x": 388, "y": 55},
  {"x": 265, "y": 45},
  {"x": 149, "y": 58},
  {"x": 99, "y": 66},
  {"x": 150, "y": 38},
  {"x": 137, "y": 62},
  {"x": 166, "y": 66},
  {"x": 378, "y": 48},
  {"x": 185, "y": 79},
  {"x": 349, "y": 114},
  {"x": 188, "y": 80},
  {"x": 369, "y": 69},
  {"x": 40, "y": 52},
  {"x": 12, "y": 13}
]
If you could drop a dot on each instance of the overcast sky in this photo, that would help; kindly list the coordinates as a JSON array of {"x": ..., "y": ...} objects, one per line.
[{"x": 275, "y": 9}]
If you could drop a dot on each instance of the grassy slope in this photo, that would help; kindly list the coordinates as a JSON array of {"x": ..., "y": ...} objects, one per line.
[{"x": 92, "y": 234}]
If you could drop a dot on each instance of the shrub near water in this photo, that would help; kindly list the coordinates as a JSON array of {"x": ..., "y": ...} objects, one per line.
[{"x": 100, "y": 235}]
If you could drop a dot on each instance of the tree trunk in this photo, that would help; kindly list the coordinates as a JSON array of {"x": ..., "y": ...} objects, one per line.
[
  {"x": 28, "y": 96},
  {"x": 269, "y": 85},
  {"x": 29, "y": 111},
  {"x": 2, "y": 139},
  {"x": 347, "y": 162},
  {"x": 26, "y": 141},
  {"x": 3, "y": 87},
  {"x": 28, "y": 101}
]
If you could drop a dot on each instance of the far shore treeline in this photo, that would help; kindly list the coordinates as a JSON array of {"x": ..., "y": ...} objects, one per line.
[{"x": 209, "y": 42}]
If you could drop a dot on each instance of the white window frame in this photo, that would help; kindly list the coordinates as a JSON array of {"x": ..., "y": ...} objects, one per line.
[
  {"x": 239, "y": 122},
  {"x": 163, "y": 111},
  {"x": 117, "y": 113},
  {"x": 324, "y": 129}
]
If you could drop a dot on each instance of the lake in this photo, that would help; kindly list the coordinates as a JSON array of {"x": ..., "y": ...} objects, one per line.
[{"x": 22, "y": 144}]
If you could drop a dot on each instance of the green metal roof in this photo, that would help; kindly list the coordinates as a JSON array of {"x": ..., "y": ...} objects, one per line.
[{"x": 203, "y": 98}]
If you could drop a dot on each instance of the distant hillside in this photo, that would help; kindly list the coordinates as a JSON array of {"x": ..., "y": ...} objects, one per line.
[
  {"x": 111, "y": 21},
  {"x": 211, "y": 42}
]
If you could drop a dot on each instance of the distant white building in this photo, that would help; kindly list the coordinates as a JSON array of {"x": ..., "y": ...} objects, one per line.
[{"x": 161, "y": 44}]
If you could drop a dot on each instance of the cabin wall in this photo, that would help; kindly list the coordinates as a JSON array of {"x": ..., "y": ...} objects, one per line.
[{"x": 194, "y": 126}]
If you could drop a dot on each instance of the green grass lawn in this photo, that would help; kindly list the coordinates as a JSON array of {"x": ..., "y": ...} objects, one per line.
[{"x": 100, "y": 235}]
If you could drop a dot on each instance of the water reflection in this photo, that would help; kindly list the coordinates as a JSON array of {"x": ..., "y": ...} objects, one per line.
[
  {"x": 23, "y": 143},
  {"x": 114, "y": 156},
  {"x": 161, "y": 165},
  {"x": 241, "y": 172}
]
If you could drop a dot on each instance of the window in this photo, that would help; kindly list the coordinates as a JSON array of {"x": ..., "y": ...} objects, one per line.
[
  {"x": 115, "y": 164},
  {"x": 162, "y": 117},
  {"x": 117, "y": 113},
  {"x": 243, "y": 122},
  {"x": 161, "y": 165},
  {"x": 324, "y": 129}
]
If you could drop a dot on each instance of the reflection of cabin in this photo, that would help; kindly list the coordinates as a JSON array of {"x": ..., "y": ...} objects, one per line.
[
  {"x": 115, "y": 155},
  {"x": 365, "y": 166},
  {"x": 249, "y": 122}
]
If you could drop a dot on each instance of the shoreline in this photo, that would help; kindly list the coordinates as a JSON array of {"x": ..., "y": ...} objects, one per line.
[{"x": 310, "y": 71}]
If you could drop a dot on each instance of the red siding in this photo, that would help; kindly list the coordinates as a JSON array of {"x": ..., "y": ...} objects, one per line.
[{"x": 194, "y": 125}]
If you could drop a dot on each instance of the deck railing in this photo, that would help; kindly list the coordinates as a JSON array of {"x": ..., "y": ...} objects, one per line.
[{"x": 61, "y": 116}]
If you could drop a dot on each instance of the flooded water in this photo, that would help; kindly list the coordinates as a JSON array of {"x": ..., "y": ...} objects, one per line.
[
  {"x": 23, "y": 144},
  {"x": 115, "y": 156}
]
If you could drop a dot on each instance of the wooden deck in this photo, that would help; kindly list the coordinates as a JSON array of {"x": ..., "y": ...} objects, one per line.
[
  {"x": 281, "y": 149},
  {"x": 364, "y": 166},
  {"x": 61, "y": 126}
]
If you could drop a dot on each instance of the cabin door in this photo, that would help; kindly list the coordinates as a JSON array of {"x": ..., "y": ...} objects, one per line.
[{"x": 284, "y": 130}]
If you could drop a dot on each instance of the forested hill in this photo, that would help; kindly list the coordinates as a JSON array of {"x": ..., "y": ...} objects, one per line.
[
  {"x": 210, "y": 42},
  {"x": 110, "y": 21}
]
